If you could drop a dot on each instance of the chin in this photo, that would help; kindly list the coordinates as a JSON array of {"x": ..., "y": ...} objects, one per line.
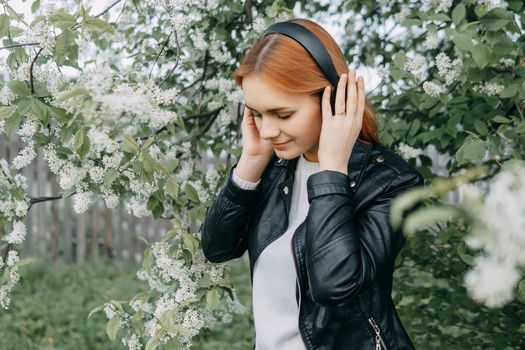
[{"x": 287, "y": 154}]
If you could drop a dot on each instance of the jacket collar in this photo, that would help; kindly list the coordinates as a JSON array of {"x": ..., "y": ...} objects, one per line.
[{"x": 356, "y": 164}]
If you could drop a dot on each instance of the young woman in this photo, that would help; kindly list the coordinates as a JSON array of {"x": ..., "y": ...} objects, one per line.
[{"x": 309, "y": 199}]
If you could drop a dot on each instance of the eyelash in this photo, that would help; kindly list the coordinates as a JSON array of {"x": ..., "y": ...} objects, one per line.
[{"x": 283, "y": 117}]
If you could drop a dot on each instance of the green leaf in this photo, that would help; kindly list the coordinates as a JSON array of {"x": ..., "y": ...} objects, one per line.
[
  {"x": 35, "y": 6},
  {"x": 439, "y": 17},
  {"x": 192, "y": 193},
  {"x": 153, "y": 343},
  {"x": 80, "y": 142},
  {"x": 481, "y": 55},
  {"x": 75, "y": 92},
  {"x": 480, "y": 127},
  {"x": 69, "y": 192},
  {"x": 400, "y": 59},
  {"x": 463, "y": 41},
  {"x": 19, "y": 88},
  {"x": 472, "y": 150},
  {"x": 467, "y": 258},
  {"x": 98, "y": 25},
  {"x": 497, "y": 19},
  {"x": 6, "y": 111},
  {"x": 129, "y": 145},
  {"x": 190, "y": 242},
  {"x": 171, "y": 164},
  {"x": 12, "y": 124},
  {"x": 510, "y": 91},
  {"x": 4, "y": 25},
  {"x": 62, "y": 20},
  {"x": 38, "y": 110},
  {"x": 110, "y": 176},
  {"x": 112, "y": 327},
  {"x": 64, "y": 41},
  {"x": 172, "y": 187},
  {"x": 212, "y": 298},
  {"x": 458, "y": 13},
  {"x": 428, "y": 216},
  {"x": 95, "y": 310},
  {"x": 501, "y": 119},
  {"x": 41, "y": 139},
  {"x": 147, "y": 143}
]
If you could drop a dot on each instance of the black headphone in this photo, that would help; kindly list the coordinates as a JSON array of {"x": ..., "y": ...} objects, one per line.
[{"x": 315, "y": 48}]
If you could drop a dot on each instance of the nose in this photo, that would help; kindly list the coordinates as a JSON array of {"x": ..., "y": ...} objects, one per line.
[{"x": 268, "y": 130}]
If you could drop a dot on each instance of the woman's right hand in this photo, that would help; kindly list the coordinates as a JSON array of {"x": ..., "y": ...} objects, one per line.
[
  {"x": 252, "y": 144},
  {"x": 256, "y": 152}
]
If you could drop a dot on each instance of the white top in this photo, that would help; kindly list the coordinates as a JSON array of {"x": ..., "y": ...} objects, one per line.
[{"x": 275, "y": 310}]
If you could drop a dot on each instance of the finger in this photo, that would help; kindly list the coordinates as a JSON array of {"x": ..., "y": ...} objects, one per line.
[
  {"x": 326, "y": 106},
  {"x": 351, "y": 96},
  {"x": 340, "y": 95},
  {"x": 360, "y": 99}
]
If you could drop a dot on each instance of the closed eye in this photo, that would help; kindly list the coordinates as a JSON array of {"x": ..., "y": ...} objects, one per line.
[{"x": 281, "y": 117}]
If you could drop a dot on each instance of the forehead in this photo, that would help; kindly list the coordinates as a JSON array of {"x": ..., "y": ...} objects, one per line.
[{"x": 262, "y": 96}]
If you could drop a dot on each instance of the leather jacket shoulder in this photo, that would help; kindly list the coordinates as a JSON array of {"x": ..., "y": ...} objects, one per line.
[{"x": 343, "y": 252}]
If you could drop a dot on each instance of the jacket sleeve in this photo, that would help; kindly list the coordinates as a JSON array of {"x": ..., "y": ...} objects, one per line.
[
  {"x": 223, "y": 233},
  {"x": 344, "y": 253}
]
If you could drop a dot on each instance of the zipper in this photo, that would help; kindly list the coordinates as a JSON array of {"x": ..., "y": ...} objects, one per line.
[{"x": 378, "y": 338}]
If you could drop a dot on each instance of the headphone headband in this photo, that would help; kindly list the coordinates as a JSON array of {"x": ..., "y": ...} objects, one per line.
[{"x": 313, "y": 46}]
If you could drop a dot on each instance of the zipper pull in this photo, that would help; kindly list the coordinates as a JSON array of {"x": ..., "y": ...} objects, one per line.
[{"x": 378, "y": 332}]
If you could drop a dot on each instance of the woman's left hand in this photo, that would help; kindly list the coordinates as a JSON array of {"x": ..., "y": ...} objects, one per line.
[{"x": 339, "y": 132}]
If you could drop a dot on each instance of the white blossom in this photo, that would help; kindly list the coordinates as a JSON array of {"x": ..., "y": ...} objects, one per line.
[
  {"x": 489, "y": 88},
  {"x": 5, "y": 289},
  {"x": 28, "y": 129},
  {"x": 500, "y": 236},
  {"x": 193, "y": 321},
  {"x": 432, "y": 40},
  {"x": 70, "y": 175},
  {"x": 18, "y": 233},
  {"x": 433, "y": 89},
  {"x": 110, "y": 198},
  {"x": 491, "y": 282},
  {"x": 81, "y": 201},
  {"x": 21, "y": 208},
  {"x": 132, "y": 342},
  {"x": 25, "y": 156},
  {"x": 403, "y": 14},
  {"x": 199, "y": 41},
  {"x": 6, "y": 95},
  {"x": 12, "y": 258},
  {"x": 97, "y": 174},
  {"x": 408, "y": 152},
  {"x": 507, "y": 62},
  {"x": 109, "y": 310},
  {"x": 492, "y": 4},
  {"x": 417, "y": 65}
]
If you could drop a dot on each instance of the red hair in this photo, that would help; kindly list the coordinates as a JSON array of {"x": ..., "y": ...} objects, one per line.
[{"x": 284, "y": 63}]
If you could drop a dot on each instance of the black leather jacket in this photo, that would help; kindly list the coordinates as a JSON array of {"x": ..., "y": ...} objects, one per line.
[{"x": 344, "y": 250}]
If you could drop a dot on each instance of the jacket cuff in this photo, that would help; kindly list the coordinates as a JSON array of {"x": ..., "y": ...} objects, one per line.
[
  {"x": 328, "y": 182},
  {"x": 237, "y": 194},
  {"x": 245, "y": 184}
]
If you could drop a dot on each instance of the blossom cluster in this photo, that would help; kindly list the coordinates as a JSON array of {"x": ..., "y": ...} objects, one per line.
[
  {"x": 177, "y": 285},
  {"x": 499, "y": 235}
]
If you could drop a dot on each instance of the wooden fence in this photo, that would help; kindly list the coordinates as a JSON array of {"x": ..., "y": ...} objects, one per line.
[{"x": 54, "y": 230}]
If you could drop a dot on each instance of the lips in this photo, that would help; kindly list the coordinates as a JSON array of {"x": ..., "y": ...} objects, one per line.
[{"x": 282, "y": 143}]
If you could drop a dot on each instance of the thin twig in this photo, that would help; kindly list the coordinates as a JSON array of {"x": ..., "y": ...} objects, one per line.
[
  {"x": 176, "y": 62},
  {"x": 160, "y": 52},
  {"x": 18, "y": 45},
  {"x": 31, "y": 77}
]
